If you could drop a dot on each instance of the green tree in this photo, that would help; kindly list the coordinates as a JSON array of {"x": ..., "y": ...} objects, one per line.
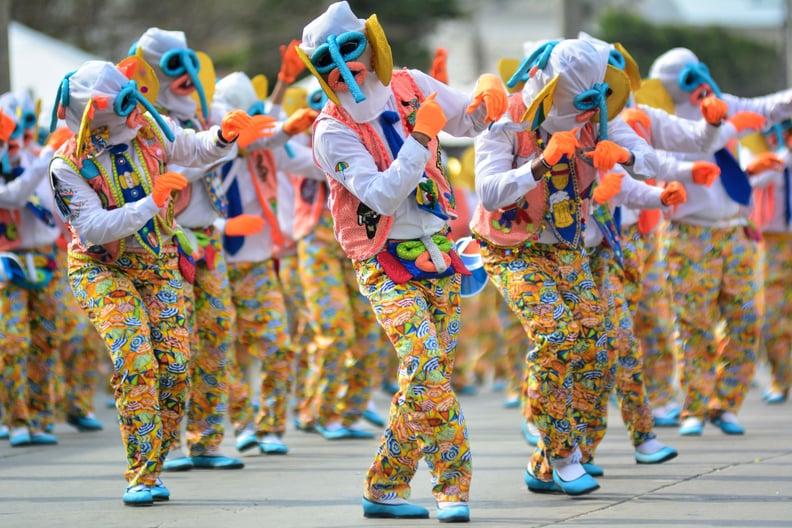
[{"x": 739, "y": 65}]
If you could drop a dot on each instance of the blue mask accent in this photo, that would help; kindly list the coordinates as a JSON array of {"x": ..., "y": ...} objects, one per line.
[
  {"x": 694, "y": 75},
  {"x": 593, "y": 99},
  {"x": 335, "y": 53},
  {"x": 179, "y": 61},
  {"x": 317, "y": 100},
  {"x": 128, "y": 99},
  {"x": 62, "y": 98},
  {"x": 537, "y": 59},
  {"x": 257, "y": 108},
  {"x": 616, "y": 59}
]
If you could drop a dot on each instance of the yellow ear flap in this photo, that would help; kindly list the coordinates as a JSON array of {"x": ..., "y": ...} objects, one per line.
[
  {"x": 208, "y": 78},
  {"x": 653, "y": 93},
  {"x": 381, "y": 54},
  {"x": 506, "y": 68},
  {"x": 630, "y": 67},
  {"x": 260, "y": 86},
  {"x": 755, "y": 142},
  {"x": 468, "y": 169},
  {"x": 85, "y": 127},
  {"x": 135, "y": 68},
  {"x": 541, "y": 105},
  {"x": 307, "y": 60},
  {"x": 294, "y": 98},
  {"x": 619, "y": 84}
]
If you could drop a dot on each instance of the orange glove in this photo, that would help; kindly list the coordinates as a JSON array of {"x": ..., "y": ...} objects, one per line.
[
  {"x": 490, "y": 91},
  {"x": 59, "y": 137},
  {"x": 291, "y": 64},
  {"x": 764, "y": 162},
  {"x": 673, "y": 194},
  {"x": 7, "y": 126},
  {"x": 638, "y": 120},
  {"x": 439, "y": 69},
  {"x": 713, "y": 109},
  {"x": 560, "y": 143},
  {"x": 300, "y": 121},
  {"x": 608, "y": 187},
  {"x": 166, "y": 183},
  {"x": 607, "y": 154},
  {"x": 704, "y": 173},
  {"x": 238, "y": 124},
  {"x": 244, "y": 225},
  {"x": 747, "y": 120},
  {"x": 430, "y": 118}
]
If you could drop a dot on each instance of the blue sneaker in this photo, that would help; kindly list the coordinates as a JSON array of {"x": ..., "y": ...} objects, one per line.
[
  {"x": 84, "y": 423},
  {"x": 5, "y": 432},
  {"x": 373, "y": 418},
  {"x": 458, "y": 512},
  {"x": 593, "y": 469},
  {"x": 19, "y": 436},
  {"x": 42, "y": 438},
  {"x": 691, "y": 427},
  {"x": 246, "y": 439},
  {"x": 580, "y": 486},
  {"x": 376, "y": 510},
  {"x": 139, "y": 495},
  {"x": 775, "y": 397},
  {"x": 272, "y": 444},
  {"x": 728, "y": 424},
  {"x": 511, "y": 403},
  {"x": 182, "y": 463},
  {"x": 540, "y": 486},
  {"x": 658, "y": 457},
  {"x": 530, "y": 433},
  {"x": 216, "y": 462},
  {"x": 159, "y": 493}
]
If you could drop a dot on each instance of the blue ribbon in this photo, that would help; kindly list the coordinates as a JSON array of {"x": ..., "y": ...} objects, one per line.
[
  {"x": 538, "y": 59},
  {"x": 593, "y": 99},
  {"x": 694, "y": 75},
  {"x": 188, "y": 63},
  {"x": 62, "y": 98}
]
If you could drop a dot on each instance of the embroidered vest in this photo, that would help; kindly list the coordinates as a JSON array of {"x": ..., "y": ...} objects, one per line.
[
  {"x": 361, "y": 232},
  {"x": 149, "y": 146},
  {"x": 525, "y": 220}
]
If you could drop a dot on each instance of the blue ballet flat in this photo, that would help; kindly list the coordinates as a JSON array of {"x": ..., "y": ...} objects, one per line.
[
  {"x": 729, "y": 428},
  {"x": 532, "y": 439},
  {"x": 246, "y": 440},
  {"x": 593, "y": 469},
  {"x": 84, "y": 423},
  {"x": 540, "y": 486},
  {"x": 665, "y": 421},
  {"x": 42, "y": 438},
  {"x": 373, "y": 418},
  {"x": 663, "y": 455},
  {"x": 273, "y": 447},
  {"x": 159, "y": 493},
  {"x": 451, "y": 514},
  {"x": 691, "y": 428},
  {"x": 580, "y": 486},
  {"x": 139, "y": 495},
  {"x": 216, "y": 462},
  {"x": 178, "y": 464},
  {"x": 376, "y": 510}
]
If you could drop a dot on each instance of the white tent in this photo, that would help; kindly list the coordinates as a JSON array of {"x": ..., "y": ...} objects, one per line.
[{"x": 38, "y": 63}]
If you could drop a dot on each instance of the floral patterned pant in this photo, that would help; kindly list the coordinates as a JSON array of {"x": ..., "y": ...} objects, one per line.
[
  {"x": 777, "y": 328},
  {"x": 137, "y": 305}
]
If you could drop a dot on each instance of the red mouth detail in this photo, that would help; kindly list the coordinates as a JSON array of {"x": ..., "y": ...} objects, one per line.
[
  {"x": 585, "y": 116},
  {"x": 182, "y": 85},
  {"x": 336, "y": 81}
]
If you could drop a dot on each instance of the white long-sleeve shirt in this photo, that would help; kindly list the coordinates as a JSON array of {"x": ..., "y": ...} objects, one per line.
[
  {"x": 387, "y": 192},
  {"x": 98, "y": 225}
]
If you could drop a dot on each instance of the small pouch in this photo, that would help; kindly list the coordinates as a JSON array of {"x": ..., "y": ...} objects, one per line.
[{"x": 409, "y": 260}]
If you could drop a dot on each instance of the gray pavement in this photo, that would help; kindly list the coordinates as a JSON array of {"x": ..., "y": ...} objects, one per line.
[{"x": 717, "y": 480}]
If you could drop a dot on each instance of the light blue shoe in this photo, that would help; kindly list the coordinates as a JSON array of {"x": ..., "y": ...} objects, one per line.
[
  {"x": 272, "y": 445},
  {"x": 359, "y": 434},
  {"x": 183, "y": 463},
  {"x": 343, "y": 433},
  {"x": 459, "y": 512},
  {"x": 658, "y": 457},
  {"x": 139, "y": 495},
  {"x": 159, "y": 493},
  {"x": 529, "y": 436},
  {"x": 19, "y": 436},
  {"x": 390, "y": 388},
  {"x": 774, "y": 398},
  {"x": 376, "y": 510},
  {"x": 540, "y": 486},
  {"x": 512, "y": 403},
  {"x": 5, "y": 432},
  {"x": 373, "y": 418},
  {"x": 216, "y": 462},
  {"x": 691, "y": 427},
  {"x": 728, "y": 424},
  {"x": 665, "y": 421},
  {"x": 245, "y": 440},
  {"x": 42, "y": 438},
  {"x": 84, "y": 423},
  {"x": 593, "y": 469},
  {"x": 580, "y": 486}
]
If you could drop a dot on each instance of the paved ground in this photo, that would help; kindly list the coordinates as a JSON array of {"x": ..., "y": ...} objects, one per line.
[{"x": 716, "y": 481}]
